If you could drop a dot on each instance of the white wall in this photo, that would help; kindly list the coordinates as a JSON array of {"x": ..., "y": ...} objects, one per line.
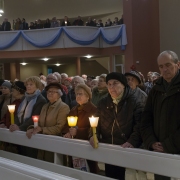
[{"x": 169, "y": 25}]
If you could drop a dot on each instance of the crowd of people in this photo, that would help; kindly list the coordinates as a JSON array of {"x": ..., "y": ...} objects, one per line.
[
  {"x": 21, "y": 24},
  {"x": 133, "y": 113}
]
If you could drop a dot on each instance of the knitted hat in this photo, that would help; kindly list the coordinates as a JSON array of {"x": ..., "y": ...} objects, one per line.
[
  {"x": 55, "y": 85},
  {"x": 117, "y": 76},
  {"x": 85, "y": 88},
  {"x": 7, "y": 84},
  {"x": 19, "y": 86},
  {"x": 134, "y": 74}
]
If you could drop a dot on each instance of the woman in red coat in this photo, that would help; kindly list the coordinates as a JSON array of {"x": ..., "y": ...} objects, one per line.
[{"x": 83, "y": 111}]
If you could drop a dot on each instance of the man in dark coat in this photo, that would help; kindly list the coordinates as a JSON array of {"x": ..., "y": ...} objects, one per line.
[
  {"x": 119, "y": 119},
  {"x": 6, "y": 25},
  {"x": 160, "y": 126}
]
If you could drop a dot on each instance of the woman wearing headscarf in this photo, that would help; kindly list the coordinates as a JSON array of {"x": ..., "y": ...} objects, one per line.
[
  {"x": 6, "y": 98},
  {"x": 52, "y": 118},
  {"x": 83, "y": 111},
  {"x": 119, "y": 119},
  {"x": 31, "y": 105}
]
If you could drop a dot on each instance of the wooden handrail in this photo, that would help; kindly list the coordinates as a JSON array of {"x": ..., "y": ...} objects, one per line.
[{"x": 159, "y": 163}]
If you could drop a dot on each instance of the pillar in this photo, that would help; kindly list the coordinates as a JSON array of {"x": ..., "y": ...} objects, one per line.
[
  {"x": 78, "y": 66},
  {"x": 142, "y": 24}
]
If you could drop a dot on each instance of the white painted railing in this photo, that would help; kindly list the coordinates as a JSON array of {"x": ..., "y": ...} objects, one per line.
[
  {"x": 14, "y": 170},
  {"x": 159, "y": 163}
]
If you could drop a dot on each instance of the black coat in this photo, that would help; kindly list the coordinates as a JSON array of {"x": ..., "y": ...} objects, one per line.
[
  {"x": 127, "y": 127},
  {"x": 35, "y": 111},
  {"x": 161, "y": 119},
  {"x": 6, "y": 26}
]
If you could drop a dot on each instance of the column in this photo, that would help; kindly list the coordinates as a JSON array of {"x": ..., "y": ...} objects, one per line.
[
  {"x": 78, "y": 66},
  {"x": 142, "y": 23}
]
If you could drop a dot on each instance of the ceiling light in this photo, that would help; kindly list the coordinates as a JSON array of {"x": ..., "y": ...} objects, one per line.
[
  {"x": 1, "y": 11},
  {"x": 57, "y": 64},
  {"x": 23, "y": 63},
  {"x": 88, "y": 56},
  {"x": 45, "y": 59},
  {"x": 0, "y": 14}
]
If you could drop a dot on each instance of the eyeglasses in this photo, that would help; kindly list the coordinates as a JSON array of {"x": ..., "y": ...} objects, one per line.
[
  {"x": 51, "y": 92},
  {"x": 51, "y": 79},
  {"x": 79, "y": 94}
]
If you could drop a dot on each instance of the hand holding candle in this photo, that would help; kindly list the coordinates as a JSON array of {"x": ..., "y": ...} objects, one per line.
[
  {"x": 72, "y": 121},
  {"x": 35, "y": 119},
  {"x": 11, "y": 110},
  {"x": 94, "y": 123}
]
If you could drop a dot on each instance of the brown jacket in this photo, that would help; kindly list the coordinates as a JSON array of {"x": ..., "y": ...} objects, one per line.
[
  {"x": 52, "y": 119},
  {"x": 83, "y": 124}
]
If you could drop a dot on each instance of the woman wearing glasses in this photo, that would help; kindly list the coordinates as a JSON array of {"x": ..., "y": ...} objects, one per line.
[{"x": 52, "y": 118}]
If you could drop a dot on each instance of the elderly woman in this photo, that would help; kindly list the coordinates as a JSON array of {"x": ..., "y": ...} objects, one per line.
[
  {"x": 52, "y": 118},
  {"x": 6, "y": 98},
  {"x": 31, "y": 104},
  {"x": 100, "y": 91},
  {"x": 83, "y": 111},
  {"x": 119, "y": 119},
  {"x": 18, "y": 90}
]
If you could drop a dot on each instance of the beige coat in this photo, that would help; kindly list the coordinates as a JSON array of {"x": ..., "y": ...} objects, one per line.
[{"x": 52, "y": 119}]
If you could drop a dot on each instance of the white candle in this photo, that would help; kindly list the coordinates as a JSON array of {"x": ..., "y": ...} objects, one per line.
[
  {"x": 35, "y": 119},
  {"x": 93, "y": 121}
]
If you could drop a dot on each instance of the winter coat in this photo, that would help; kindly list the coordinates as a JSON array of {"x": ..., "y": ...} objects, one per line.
[
  {"x": 97, "y": 96},
  {"x": 7, "y": 118},
  {"x": 52, "y": 119},
  {"x": 161, "y": 119},
  {"x": 83, "y": 124},
  {"x": 35, "y": 111},
  {"x": 123, "y": 126}
]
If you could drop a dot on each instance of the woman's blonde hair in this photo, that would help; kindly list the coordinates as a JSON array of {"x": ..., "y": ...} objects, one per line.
[{"x": 35, "y": 79}]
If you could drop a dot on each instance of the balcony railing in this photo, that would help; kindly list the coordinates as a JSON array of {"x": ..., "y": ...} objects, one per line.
[
  {"x": 63, "y": 37},
  {"x": 158, "y": 163}
]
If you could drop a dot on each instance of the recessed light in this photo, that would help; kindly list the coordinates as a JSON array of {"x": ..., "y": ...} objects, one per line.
[
  {"x": 23, "y": 63},
  {"x": 45, "y": 59},
  {"x": 0, "y": 14},
  {"x": 1, "y": 11},
  {"x": 57, "y": 64},
  {"x": 88, "y": 56}
]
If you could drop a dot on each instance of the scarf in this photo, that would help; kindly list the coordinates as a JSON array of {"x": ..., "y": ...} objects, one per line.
[
  {"x": 26, "y": 106},
  {"x": 118, "y": 99}
]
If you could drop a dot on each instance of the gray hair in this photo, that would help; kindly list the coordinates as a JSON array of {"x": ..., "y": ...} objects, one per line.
[
  {"x": 81, "y": 80},
  {"x": 60, "y": 92},
  {"x": 173, "y": 55},
  {"x": 64, "y": 74}
]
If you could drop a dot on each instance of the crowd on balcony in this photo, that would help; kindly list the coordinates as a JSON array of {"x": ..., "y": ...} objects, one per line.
[
  {"x": 21, "y": 24},
  {"x": 132, "y": 113}
]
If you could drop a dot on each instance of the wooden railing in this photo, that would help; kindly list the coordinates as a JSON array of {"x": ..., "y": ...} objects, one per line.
[{"x": 158, "y": 163}]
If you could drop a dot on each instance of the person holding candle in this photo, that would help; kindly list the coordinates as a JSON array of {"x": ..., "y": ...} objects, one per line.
[
  {"x": 31, "y": 104},
  {"x": 66, "y": 22},
  {"x": 6, "y": 98},
  {"x": 83, "y": 111},
  {"x": 51, "y": 119},
  {"x": 119, "y": 119},
  {"x": 18, "y": 91}
]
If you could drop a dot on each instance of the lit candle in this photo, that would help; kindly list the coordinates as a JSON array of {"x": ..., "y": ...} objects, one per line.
[
  {"x": 65, "y": 23},
  {"x": 94, "y": 123},
  {"x": 11, "y": 110},
  {"x": 72, "y": 121},
  {"x": 35, "y": 119}
]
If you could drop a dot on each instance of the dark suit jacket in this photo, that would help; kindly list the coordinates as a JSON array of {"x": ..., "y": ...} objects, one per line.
[{"x": 6, "y": 26}]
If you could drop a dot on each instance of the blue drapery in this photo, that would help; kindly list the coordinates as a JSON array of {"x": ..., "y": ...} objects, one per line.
[{"x": 86, "y": 40}]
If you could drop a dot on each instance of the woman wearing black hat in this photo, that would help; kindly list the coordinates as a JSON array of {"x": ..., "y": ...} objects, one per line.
[
  {"x": 52, "y": 118},
  {"x": 119, "y": 119}
]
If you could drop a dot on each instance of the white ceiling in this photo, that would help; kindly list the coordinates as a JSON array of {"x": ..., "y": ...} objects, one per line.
[{"x": 42, "y": 9}]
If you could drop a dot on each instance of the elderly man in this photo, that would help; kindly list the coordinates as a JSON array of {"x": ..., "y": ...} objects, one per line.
[
  {"x": 160, "y": 126},
  {"x": 71, "y": 98},
  {"x": 6, "y": 25}
]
